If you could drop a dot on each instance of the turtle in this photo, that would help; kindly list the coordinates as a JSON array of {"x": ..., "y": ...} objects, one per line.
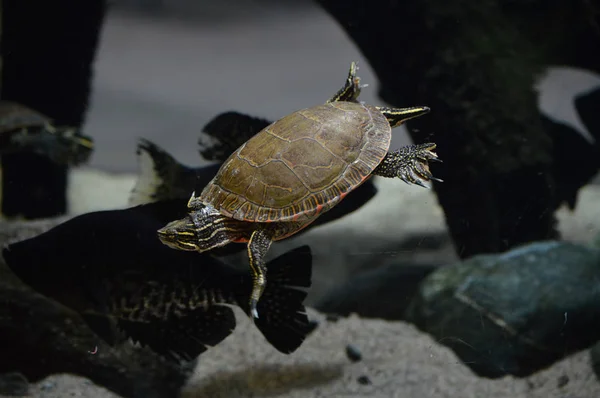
[
  {"x": 23, "y": 129},
  {"x": 292, "y": 171},
  {"x": 164, "y": 179}
]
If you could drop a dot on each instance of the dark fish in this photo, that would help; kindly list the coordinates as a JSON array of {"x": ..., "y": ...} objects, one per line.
[{"x": 110, "y": 267}]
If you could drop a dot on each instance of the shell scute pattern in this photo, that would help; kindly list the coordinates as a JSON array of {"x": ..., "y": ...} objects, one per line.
[{"x": 303, "y": 163}]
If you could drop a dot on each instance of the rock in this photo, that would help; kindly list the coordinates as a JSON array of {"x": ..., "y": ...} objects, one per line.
[
  {"x": 364, "y": 380},
  {"x": 353, "y": 353},
  {"x": 514, "y": 313},
  {"x": 562, "y": 381},
  {"x": 13, "y": 384},
  {"x": 49, "y": 385},
  {"x": 499, "y": 187}
]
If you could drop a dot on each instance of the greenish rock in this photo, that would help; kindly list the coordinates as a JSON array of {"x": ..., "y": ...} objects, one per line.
[{"x": 513, "y": 313}]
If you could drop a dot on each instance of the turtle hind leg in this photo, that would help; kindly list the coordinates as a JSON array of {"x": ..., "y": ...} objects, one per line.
[
  {"x": 351, "y": 89},
  {"x": 410, "y": 164},
  {"x": 258, "y": 246},
  {"x": 397, "y": 116}
]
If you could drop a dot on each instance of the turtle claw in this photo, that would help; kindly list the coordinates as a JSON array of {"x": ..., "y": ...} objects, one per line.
[
  {"x": 253, "y": 310},
  {"x": 420, "y": 183},
  {"x": 424, "y": 172}
]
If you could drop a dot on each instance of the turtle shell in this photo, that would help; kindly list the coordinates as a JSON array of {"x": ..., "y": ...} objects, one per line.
[
  {"x": 302, "y": 164},
  {"x": 15, "y": 116}
]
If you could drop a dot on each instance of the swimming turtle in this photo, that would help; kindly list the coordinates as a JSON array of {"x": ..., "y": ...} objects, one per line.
[
  {"x": 23, "y": 129},
  {"x": 294, "y": 170},
  {"x": 164, "y": 179}
]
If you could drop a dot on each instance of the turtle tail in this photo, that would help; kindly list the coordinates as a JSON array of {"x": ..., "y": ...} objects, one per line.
[
  {"x": 227, "y": 132},
  {"x": 283, "y": 320},
  {"x": 162, "y": 177}
]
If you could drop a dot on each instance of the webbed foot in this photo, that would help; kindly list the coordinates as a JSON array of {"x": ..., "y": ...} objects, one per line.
[{"x": 410, "y": 164}]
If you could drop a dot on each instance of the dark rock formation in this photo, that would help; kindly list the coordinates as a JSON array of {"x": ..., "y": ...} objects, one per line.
[{"x": 475, "y": 65}]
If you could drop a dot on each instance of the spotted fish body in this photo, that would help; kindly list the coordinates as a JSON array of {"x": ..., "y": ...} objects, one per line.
[{"x": 111, "y": 268}]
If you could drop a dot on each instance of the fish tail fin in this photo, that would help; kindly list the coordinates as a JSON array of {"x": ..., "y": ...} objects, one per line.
[
  {"x": 226, "y": 132},
  {"x": 161, "y": 177},
  {"x": 282, "y": 316}
]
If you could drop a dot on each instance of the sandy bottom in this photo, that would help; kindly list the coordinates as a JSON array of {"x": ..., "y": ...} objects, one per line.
[{"x": 397, "y": 360}]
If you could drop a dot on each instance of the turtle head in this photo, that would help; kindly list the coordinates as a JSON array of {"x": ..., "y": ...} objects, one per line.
[
  {"x": 179, "y": 234},
  {"x": 202, "y": 229}
]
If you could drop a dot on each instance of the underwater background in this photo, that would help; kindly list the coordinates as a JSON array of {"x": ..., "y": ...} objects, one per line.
[{"x": 485, "y": 284}]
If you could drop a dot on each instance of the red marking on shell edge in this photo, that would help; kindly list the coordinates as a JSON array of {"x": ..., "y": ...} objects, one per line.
[
  {"x": 296, "y": 216},
  {"x": 240, "y": 240},
  {"x": 319, "y": 208}
]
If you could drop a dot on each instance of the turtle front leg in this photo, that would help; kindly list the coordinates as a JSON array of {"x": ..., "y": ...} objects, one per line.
[
  {"x": 258, "y": 246},
  {"x": 351, "y": 89},
  {"x": 410, "y": 164}
]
